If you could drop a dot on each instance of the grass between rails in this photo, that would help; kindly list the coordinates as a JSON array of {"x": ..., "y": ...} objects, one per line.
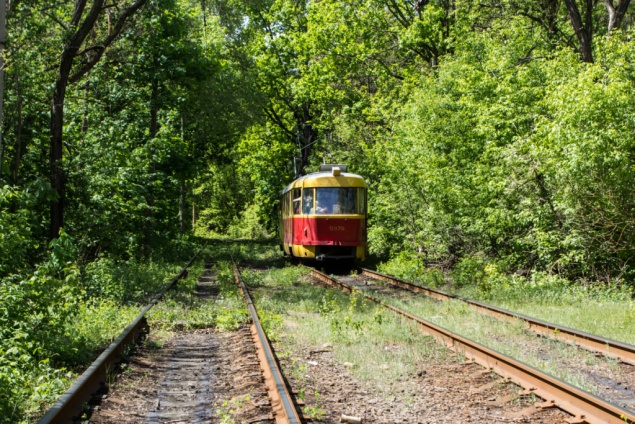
[
  {"x": 377, "y": 345},
  {"x": 566, "y": 362},
  {"x": 58, "y": 319},
  {"x": 606, "y": 309},
  {"x": 182, "y": 309},
  {"x": 611, "y": 319}
]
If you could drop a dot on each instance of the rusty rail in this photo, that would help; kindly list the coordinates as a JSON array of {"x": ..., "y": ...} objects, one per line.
[
  {"x": 585, "y": 407},
  {"x": 70, "y": 403},
  {"x": 282, "y": 404},
  {"x": 610, "y": 348}
]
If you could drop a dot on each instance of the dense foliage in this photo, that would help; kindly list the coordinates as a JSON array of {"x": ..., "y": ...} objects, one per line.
[
  {"x": 496, "y": 137},
  {"x": 488, "y": 134},
  {"x": 137, "y": 130}
]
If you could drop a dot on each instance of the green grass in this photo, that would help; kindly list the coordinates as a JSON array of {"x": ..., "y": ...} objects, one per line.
[
  {"x": 260, "y": 254},
  {"x": 93, "y": 329},
  {"x": 315, "y": 316},
  {"x": 183, "y": 310},
  {"x": 509, "y": 338},
  {"x": 59, "y": 319},
  {"x": 607, "y": 318},
  {"x": 605, "y": 309},
  {"x": 60, "y": 316}
]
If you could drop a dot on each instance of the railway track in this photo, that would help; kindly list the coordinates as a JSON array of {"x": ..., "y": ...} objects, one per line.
[
  {"x": 610, "y": 348},
  {"x": 283, "y": 405},
  {"x": 71, "y": 403},
  {"x": 583, "y": 406},
  {"x": 190, "y": 379}
]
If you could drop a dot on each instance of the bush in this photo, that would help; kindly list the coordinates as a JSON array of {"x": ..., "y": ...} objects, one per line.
[
  {"x": 35, "y": 310},
  {"x": 470, "y": 270},
  {"x": 411, "y": 267},
  {"x": 15, "y": 230},
  {"x": 249, "y": 225}
]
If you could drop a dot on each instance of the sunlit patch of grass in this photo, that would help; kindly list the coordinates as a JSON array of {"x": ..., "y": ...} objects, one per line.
[
  {"x": 612, "y": 319},
  {"x": 265, "y": 252},
  {"x": 183, "y": 310},
  {"x": 156, "y": 342},
  {"x": 95, "y": 326},
  {"x": 605, "y": 309}
]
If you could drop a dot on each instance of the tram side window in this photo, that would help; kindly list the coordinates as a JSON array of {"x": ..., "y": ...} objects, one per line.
[
  {"x": 288, "y": 210},
  {"x": 297, "y": 193},
  {"x": 290, "y": 203},
  {"x": 336, "y": 201},
  {"x": 287, "y": 204},
  {"x": 362, "y": 201},
  {"x": 284, "y": 205},
  {"x": 290, "y": 200},
  {"x": 307, "y": 201}
]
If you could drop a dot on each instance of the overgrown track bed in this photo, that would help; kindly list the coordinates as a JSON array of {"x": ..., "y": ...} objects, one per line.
[
  {"x": 200, "y": 376},
  {"x": 71, "y": 403},
  {"x": 583, "y": 406},
  {"x": 610, "y": 348},
  {"x": 604, "y": 377},
  {"x": 343, "y": 355}
]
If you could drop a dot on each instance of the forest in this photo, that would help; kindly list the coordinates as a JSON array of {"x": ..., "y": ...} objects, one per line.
[{"x": 496, "y": 137}]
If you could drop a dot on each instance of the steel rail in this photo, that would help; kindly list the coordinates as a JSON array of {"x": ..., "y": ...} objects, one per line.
[
  {"x": 610, "y": 348},
  {"x": 585, "y": 407},
  {"x": 70, "y": 404},
  {"x": 281, "y": 402}
]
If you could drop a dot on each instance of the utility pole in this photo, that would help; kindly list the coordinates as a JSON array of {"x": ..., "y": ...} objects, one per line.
[{"x": 3, "y": 10}]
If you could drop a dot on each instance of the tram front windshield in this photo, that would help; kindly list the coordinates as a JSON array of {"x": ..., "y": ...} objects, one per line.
[{"x": 336, "y": 201}]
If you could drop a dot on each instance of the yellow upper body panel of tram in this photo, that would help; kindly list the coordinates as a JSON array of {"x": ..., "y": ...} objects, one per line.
[{"x": 326, "y": 179}]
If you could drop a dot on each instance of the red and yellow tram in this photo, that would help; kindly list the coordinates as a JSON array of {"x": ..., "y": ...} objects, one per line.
[{"x": 324, "y": 215}]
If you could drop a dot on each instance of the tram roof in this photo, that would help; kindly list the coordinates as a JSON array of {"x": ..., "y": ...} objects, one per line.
[{"x": 327, "y": 179}]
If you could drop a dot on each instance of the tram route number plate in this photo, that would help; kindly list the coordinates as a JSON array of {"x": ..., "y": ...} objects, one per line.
[{"x": 337, "y": 228}]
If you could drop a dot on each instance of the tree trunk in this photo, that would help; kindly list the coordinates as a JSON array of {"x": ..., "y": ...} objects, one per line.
[
  {"x": 69, "y": 52},
  {"x": 85, "y": 114},
  {"x": 58, "y": 182},
  {"x": 193, "y": 216},
  {"x": 306, "y": 136},
  {"x": 584, "y": 32},
  {"x": 18, "y": 134},
  {"x": 616, "y": 14},
  {"x": 551, "y": 17},
  {"x": 182, "y": 185},
  {"x": 154, "y": 129},
  {"x": 3, "y": 5},
  {"x": 182, "y": 206}
]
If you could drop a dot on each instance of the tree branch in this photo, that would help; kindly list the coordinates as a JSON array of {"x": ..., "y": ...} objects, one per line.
[
  {"x": 89, "y": 49},
  {"x": 80, "y": 5},
  {"x": 616, "y": 15},
  {"x": 90, "y": 63},
  {"x": 394, "y": 9},
  {"x": 271, "y": 113},
  {"x": 579, "y": 28}
]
